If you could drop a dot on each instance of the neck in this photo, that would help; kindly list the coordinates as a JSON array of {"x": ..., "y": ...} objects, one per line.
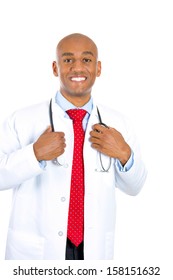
[{"x": 77, "y": 101}]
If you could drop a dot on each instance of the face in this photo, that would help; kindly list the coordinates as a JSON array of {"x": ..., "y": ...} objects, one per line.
[{"x": 77, "y": 67}]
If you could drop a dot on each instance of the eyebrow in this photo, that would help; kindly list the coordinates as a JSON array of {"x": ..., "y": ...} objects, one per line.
[
  {"x": 88, "y": 52},
  {"x": 71, "y": 54}
]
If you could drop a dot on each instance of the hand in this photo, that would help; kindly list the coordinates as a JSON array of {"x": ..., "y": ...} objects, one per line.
[
  {"x": 49, "y": 145},
  {"x": 110, "y": 142}
]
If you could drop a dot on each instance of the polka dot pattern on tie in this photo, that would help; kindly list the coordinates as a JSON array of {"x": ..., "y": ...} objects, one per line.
[{"x": 75, "y": 229}]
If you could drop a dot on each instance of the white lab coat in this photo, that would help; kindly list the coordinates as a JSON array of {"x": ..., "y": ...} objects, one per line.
[{"x": 38, "y": 222}]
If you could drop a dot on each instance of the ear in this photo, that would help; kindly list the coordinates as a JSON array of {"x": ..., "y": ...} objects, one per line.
[
  {"x": 55, "y": 68},
  {"x": 99, "y": 68}
]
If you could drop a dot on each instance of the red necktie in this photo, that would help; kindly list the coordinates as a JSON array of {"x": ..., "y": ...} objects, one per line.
[{"x": 75, "y": 229}]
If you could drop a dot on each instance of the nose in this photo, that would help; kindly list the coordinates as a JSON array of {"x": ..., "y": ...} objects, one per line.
[{"x": 77, "y": 65}]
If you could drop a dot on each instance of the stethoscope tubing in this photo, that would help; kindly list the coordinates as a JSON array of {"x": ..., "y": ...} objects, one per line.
[{"x": 55, "y": 161}]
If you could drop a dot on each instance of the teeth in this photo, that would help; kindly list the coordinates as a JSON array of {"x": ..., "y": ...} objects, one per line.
[{"x": 78, "y": 79}]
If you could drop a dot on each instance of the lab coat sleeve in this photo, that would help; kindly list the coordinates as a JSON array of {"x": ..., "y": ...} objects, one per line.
[
  {"x": 17, "y": 162},
  {"x": 132, "y": 180}
]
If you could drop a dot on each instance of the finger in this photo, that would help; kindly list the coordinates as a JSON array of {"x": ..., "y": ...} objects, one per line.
[
  {"x": 99, "y": 128},
  {"x": 95, "y": 140},
  {"x": 99, "y": 132},
  {"x": 58, "y": 136},
  {"x": 61, "y": 134},
  {"x": 95, "y": 134}
]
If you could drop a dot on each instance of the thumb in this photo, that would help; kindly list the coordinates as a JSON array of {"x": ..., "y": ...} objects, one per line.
[{"x": 48, "y": 130}]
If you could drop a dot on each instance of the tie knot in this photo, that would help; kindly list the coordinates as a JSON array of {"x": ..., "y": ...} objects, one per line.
[{"x": 76, "y": 114}]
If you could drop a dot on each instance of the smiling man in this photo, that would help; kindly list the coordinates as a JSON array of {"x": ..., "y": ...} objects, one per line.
[
  {"x": 64, "y": 175},
  {"x": 77, "y": 66}
]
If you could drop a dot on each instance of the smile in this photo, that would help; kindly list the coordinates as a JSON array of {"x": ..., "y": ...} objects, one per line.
[{"x": 78, "y": 79}]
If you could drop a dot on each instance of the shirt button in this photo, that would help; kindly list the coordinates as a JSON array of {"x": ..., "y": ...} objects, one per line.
[
  {"x": 65, "y": 165},
  {"x": 63, "y": 199},
  {"x": 60, "y": 233}
]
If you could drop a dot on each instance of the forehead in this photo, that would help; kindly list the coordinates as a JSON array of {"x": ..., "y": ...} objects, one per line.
[{"x": 77, "y": 46}]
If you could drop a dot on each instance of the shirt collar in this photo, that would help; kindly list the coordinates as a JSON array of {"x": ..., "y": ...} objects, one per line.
[{"x": 66, "y": 105}]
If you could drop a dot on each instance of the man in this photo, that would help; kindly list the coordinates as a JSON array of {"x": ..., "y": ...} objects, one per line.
[{"x": 64, "y": 181}]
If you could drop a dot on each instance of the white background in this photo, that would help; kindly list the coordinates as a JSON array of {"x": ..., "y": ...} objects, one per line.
[{"x": 135, "y": 41}]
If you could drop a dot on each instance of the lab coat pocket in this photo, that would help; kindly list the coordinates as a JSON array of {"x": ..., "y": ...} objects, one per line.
[{"x": 24, "y": 246}]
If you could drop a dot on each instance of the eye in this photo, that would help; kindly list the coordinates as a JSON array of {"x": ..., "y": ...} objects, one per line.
[
  {"x": 87, "y": 60},
  {"x": 68, "y": 60}
]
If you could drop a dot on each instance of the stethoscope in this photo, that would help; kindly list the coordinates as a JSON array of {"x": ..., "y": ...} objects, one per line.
[{"x": 56, "y": 162}]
